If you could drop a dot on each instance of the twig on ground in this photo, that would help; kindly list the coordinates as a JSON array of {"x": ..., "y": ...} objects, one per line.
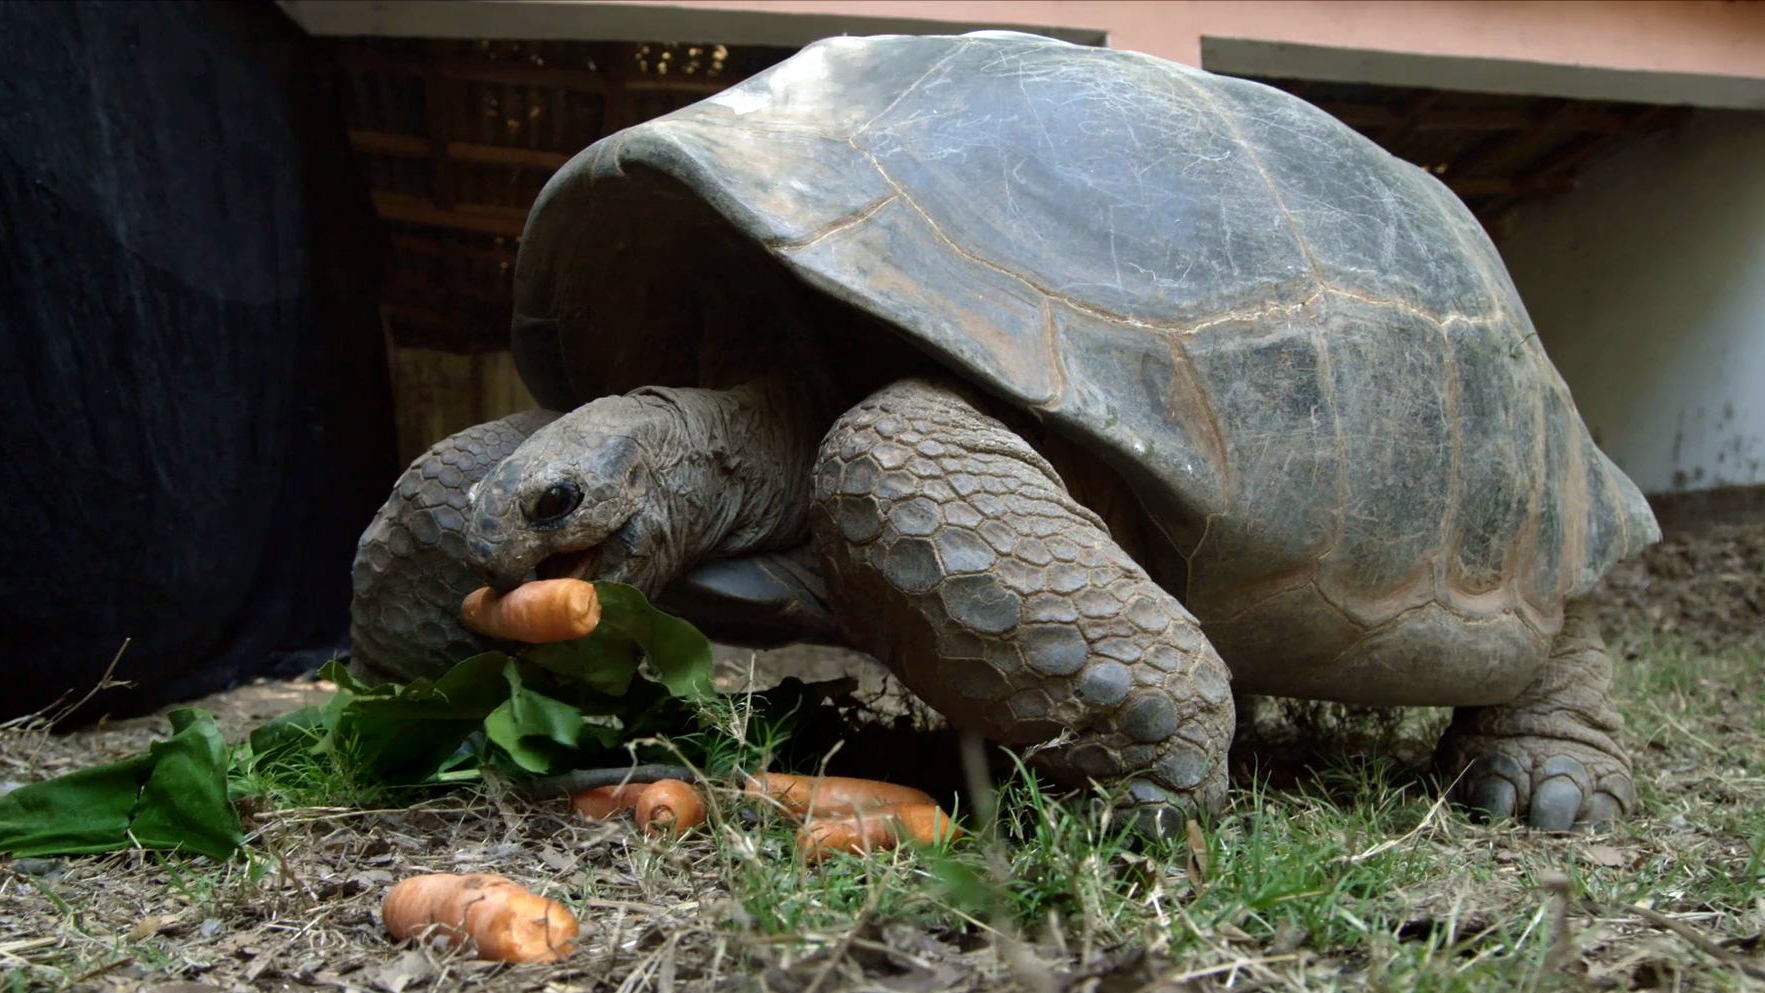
[
  {"x": 39, "y": 725},
  {"x": 578, "y": 780},
  {"x": 1724, "y": 955},
  {"x": 1226, "y": 967},
  {"x": 1256, "y": 965},
  {"x": 1562, "y": 942}
]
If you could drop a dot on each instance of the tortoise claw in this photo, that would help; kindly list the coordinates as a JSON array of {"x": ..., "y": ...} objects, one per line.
[
  {"x": 1603, "y": 808},
  {"x": 1509, "y": 778},
  {"x": 1491, "y": 788},
  {"x": 1554, "y": 804}
]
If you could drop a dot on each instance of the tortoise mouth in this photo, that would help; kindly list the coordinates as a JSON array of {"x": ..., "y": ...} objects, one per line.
[{"x": 569, "y": 565}]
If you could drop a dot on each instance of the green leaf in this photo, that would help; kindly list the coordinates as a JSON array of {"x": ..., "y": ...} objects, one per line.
[
  {"x": 407, "y": 733},
  {"x": 527, "y": 723},
  {"x": 630, "y": 631},
  {"x": 604, "y": 661},
  {"x": 468, "y": 691},
  {"x": 679, "y": 655},
  {"x": 173, "y": 797},
  {"x": 184, "y": 803}
]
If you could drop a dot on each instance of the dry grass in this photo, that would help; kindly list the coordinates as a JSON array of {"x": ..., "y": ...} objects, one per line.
[{"x": 1342, "y": 872}]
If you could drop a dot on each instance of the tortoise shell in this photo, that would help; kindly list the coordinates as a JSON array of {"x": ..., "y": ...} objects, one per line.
[{"x": 1302, "y": 354}]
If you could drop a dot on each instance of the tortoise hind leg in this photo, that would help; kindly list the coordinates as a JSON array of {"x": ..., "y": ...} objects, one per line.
[
  {"x": 954, "y": 553},
  {"x": 1550, "y": 756}
]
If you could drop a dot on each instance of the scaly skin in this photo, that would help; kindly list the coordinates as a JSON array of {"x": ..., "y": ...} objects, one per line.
[
  {"x": 955, "y": 554},
  {"x": 1549, "y": 756},
  {"x": 411, "y": 568}
]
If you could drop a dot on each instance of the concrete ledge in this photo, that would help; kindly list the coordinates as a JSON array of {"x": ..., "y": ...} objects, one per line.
[{"x": 1696, "y": 510}]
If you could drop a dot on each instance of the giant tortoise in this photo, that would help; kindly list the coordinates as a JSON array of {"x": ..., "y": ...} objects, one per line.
[{"x": 1079, "y": 387}]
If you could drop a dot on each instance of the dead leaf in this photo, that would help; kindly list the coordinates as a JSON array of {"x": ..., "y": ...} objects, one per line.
[
  {"x": 1195, "y": 866},
  {"x": 1606, "y": 855},
  {"x": 410, "y": 967},
  {"x": 1234, "y": 933},
  {"x": 152, "y": 925},
  {"x": 556, "y": 859}
]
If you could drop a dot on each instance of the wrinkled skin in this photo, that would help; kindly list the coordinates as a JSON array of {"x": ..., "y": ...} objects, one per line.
[
  {"x": 638, "y": 488},
  {"x": 953, "y": 551}
]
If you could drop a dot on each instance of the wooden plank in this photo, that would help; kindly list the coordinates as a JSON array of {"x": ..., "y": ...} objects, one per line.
[
  {"x": 462, "y": 332},
  {"x": 1411, "y": 115},
  {"x": 1490, "y": 150},
  {"x": 417, "y": 294},
  {"x": 426, "y": 316},
  {"x": 504, "y": 155},
  {"x": 505, "y": 221},
  {"x": 1573, "y": 154},
  {"x": 1558, "y": 163},
  {"x": 437, "y": 392},
  {"x": 403, "y": 146},
  {"x": 435, "y": 249},
  {"x": 701, "y": 85},
  {"x": 1484, "y": 186},
  {"x": 363, "y": 58},
  {"x": 437, "y": 93},
  {"x": 1517, "y": 118},
  {"x": 409, "y": 146}
]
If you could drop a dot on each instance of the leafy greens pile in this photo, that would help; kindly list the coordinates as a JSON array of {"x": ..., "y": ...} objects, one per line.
[{"x": 580, "y": 703}]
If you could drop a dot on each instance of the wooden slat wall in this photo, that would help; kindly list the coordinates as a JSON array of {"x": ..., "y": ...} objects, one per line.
[
  {"x": 438, "y": 393},
  {"x": 457, "y": 139}
]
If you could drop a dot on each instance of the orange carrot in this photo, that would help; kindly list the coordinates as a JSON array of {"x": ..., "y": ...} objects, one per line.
[
  {"x": 539, "y": 613},
  {"x": 878, "y": 829},
  {"x": 669, "y": 806},
  {"x": 499, "y": 918},
  {"x": 923, "y": 824},
  {"x": 603, "y": 802},
  {"x": 831, "y": 794}
]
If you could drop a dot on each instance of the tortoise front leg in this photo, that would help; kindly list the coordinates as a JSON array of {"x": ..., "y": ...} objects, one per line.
[
  {"x": 1550, "y": 756},
  {"x": 954, "y": 553},
  {"x": 411, "y": 568}
]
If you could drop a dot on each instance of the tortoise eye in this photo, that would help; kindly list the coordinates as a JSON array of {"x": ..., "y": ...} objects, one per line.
[{"x": 558, "y": 500}]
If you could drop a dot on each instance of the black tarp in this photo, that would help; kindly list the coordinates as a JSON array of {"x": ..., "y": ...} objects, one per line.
[{"x": 195, "y": 414}]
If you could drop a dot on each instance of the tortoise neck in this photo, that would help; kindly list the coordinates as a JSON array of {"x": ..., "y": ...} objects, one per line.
[{"x": 734, "y": 467}]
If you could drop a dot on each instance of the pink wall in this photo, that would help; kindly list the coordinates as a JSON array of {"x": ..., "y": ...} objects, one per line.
[{"x": 1714, "y": 38}]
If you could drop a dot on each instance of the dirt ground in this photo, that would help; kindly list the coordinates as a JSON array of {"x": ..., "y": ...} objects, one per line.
[
  {"x": 1707, "y": 586},
  {"x": 302, "y": 912}
]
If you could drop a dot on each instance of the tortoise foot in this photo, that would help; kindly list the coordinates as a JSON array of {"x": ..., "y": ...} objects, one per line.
[
  {"x": 1158, "y": 786},
  {"x": 1551, "y": 784},
  {"x": 1550, "y": 757}
]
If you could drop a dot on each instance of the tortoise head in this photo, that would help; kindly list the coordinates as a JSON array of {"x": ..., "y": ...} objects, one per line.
[{"x": 574, "y": 500}]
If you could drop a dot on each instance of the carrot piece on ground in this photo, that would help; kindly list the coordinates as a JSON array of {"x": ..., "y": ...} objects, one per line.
[
  {"x": 603, "y": 802},
  {"x": 878, "y": 829},
  {"x": 923, "y": 823},
  {"x": 501, "y": 919},
  {"x": 539, "y": 613},
  {"x": 670, "y": 806},
  {"x": 831, "y": 794}
]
